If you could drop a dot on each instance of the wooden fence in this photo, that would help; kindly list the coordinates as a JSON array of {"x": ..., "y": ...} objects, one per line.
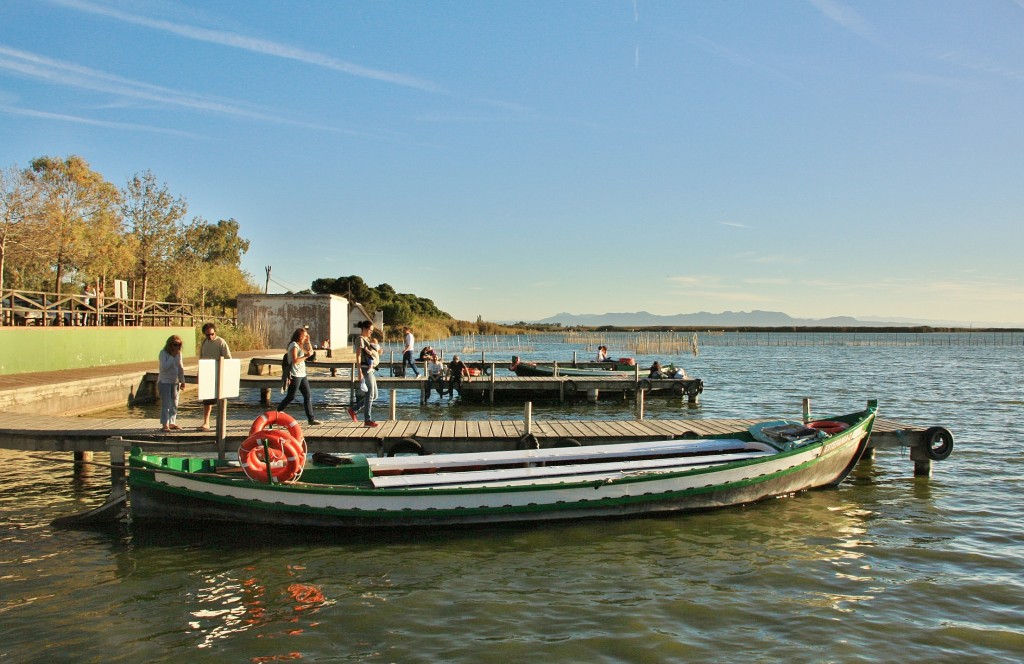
[{"x": 59, "y": 309}]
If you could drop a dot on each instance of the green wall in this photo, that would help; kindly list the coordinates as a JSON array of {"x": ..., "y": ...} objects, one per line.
[{"x": 25, "y": 349}]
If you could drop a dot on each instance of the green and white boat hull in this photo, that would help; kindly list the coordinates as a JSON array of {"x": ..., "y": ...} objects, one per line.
[{"x": 530, "y": 485}]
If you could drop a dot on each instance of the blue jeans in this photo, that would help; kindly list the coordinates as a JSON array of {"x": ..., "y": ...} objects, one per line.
[
  {"x": 364, "y": 400},
  {"x": 302, "y": 385},
  {"x": 408, "y": 363},
  {"x": 168, "y": 403}
]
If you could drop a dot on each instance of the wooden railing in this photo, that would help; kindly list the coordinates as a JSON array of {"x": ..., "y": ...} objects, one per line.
[{"x": 60, "y": 309}]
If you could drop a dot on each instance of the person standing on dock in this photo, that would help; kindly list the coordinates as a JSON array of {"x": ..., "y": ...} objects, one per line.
[
  {"x": 170, "y": 382},
  {"x": 211, "y": 348},
  {"x": 410, "y": 343},
  {"x": 299, "y": 350},
  {"x": 367, "y": 358}
]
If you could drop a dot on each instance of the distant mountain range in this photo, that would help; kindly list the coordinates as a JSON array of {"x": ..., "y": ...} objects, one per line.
[{"x": 733, "y": 319}]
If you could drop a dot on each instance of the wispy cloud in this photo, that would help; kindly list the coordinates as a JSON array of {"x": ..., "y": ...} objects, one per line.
[
  {"x": 126, "y": 126},
  {"x": 732, "y": 224},
  {"x": 687, "y": 280},
  {"x": 738, "y": 59},
  {"x": 845, "y": 17},
  {"x": 977, "y": 64},
  {"x": 68, "y": 74},
  {"x": 252, "y": 44},
  {"x": 948, "y": 82}
]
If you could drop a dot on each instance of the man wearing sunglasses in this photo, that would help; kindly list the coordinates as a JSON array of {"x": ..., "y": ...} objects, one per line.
[{"x": 211, "y": 348}]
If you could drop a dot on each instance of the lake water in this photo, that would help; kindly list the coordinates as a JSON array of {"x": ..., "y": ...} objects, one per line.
[{"x": 887, "y": 567}]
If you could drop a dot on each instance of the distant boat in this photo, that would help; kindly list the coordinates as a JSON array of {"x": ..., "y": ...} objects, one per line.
[
  {"x": 619, "y": 368},
  {"x": 614, "y": 480}
]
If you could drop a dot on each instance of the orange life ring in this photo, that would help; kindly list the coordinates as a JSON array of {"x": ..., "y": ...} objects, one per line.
[
  {"x": 272, "y": 417},
  {"x": 285, "y": 461},
  {"x": 828, "y": 426}
]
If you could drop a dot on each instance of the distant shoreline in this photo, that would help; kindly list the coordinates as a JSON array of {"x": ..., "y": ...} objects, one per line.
[{"x": 846, "y": 329}]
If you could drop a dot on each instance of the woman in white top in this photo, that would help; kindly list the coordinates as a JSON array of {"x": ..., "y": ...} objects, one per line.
[
  {"x": 169, "y": 382},
  {"x": 299, "y": 349}
]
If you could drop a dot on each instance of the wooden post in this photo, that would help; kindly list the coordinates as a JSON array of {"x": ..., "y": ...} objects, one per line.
[
  {"x": 393, "y": 413},
  {"x": 528, "y": 418},
  {"x": 222, "y": 409},
  {"x": 118, "y": 471},
  {"x": 265, "y": 397},
  {"x": 922, "y": 463},
  {"x": 493, "y": 371},
  {"x": 574, "y": 358},
  {"x": 639, "y": 404},
  {"x": 81, "y": 468},
  {"x": 807, "y": 410}
]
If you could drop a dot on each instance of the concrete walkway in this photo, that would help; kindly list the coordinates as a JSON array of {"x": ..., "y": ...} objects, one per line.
[
  {"x": 73, "y": 391},
  {"x": 40, "y": 378}
]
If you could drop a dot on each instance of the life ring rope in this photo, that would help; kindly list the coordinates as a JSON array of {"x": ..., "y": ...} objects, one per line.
[
  {"x": 272, "y": 451},
  {"x": 272, "y": 417}
]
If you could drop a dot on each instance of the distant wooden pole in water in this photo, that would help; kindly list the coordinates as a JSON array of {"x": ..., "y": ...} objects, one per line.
[{"x": 807, "y": 410}]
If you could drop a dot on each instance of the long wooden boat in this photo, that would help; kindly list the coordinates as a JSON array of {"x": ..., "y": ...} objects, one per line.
[
  {"x": 520, "y": 368},
  {"x": 576, "y": 482}
]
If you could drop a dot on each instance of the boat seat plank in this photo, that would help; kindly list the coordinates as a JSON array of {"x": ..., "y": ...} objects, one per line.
[
  {"x": 619, "y": 450},
  {"x": 614, "y": 467}
]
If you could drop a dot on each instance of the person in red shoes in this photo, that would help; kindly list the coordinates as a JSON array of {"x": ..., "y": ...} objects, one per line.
[{"x": 367, "y": 358}]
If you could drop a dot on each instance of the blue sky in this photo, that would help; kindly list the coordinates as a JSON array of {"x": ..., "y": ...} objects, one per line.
[{"x": 517, "y": 159}]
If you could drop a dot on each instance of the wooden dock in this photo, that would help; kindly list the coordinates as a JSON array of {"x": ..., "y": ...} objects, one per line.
[
  {"x": 82, "y": 434},
  {"x": 264, "y": 375}
]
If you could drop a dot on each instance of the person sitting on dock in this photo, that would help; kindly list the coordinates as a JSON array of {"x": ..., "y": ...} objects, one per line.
[
  {"x": 602, "y": 354},
  {"x": 428, "y": 354},
  {"x": 456, "y": 370},
  {"x": 435, "y": 378},
  {"x": 657, "y": 371}
]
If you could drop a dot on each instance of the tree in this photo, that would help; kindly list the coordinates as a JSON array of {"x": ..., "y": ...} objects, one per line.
[
  {"x": 207, "y": 263},
  {"x": 73, "y": 198},
  {"x": 351, "y": 287},
  {"x": 16, "y": 207},
  {"x": 153, "y": 216},
  {"x": 397, "y": 313}
]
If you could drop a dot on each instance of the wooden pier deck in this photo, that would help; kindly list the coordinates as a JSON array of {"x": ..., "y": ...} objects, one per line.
[
  {"x": 30, "y": 431},
  {"x": 84, "y": 434},
  {"x": 481, "y": 389}
]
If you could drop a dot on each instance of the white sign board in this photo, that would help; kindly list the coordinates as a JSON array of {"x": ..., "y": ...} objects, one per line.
[{"x": 230, "y": 378}]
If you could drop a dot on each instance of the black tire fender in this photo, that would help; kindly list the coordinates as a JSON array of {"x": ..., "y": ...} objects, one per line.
[
  {"x": 566, "y": 442},
  {"x": 406, "y": 446},
  {"x": 528, "y": 442},
  {"x": 569, "y": 387},
  {"x": 938, "y": 443},
  {"x": 678, "y": 388},
  {"x": 644, "y": 384}
]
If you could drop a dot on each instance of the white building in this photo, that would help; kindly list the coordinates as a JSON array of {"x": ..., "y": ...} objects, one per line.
[{"x": 328, "y": 317}]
